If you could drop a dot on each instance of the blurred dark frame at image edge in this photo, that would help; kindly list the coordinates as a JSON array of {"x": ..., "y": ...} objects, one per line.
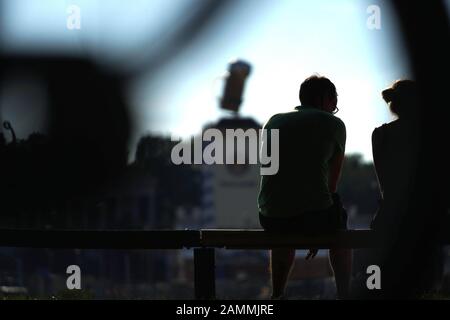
[
  {"x": 429, "y": 58},
  {"x": 428, "y": 217}
]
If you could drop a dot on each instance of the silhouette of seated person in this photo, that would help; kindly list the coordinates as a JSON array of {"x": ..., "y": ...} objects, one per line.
[
  {"x": 395, "y": 152},
  {"x": 301, "y": 197},
  {"x": 408, "y": 266}
]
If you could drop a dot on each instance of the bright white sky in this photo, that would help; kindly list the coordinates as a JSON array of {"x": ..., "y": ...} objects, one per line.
[{"x": 285, "y": 41}]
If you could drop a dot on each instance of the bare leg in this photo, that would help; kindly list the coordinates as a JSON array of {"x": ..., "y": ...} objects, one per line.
[
  {"x": 341, "y": 263},
  {"x": 281, "y": 263}
]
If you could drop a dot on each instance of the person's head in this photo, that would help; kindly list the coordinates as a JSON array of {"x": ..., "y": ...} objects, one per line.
[
  {"x": 319, "y": 92},
  {"x": 402, "y": 98}
]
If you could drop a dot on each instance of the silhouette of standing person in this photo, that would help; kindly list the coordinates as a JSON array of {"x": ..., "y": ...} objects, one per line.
[{"x": 301, "y": 197}]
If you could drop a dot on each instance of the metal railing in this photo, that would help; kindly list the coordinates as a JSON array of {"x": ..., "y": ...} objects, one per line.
[{"x": 203, "y": 242}]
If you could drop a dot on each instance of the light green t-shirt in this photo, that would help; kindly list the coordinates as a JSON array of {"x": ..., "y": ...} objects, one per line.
[{"x": 309, "y": 138}]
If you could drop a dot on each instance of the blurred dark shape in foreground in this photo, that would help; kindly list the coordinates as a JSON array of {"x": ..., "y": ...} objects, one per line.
[
  {"x": 87, "y": 140},
  {"x": 410, "y": 253}
]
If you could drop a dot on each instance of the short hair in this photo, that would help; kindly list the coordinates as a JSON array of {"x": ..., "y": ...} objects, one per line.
[
  {"x": 402, "y": 97},
  {"x": 315, "y": 87}
]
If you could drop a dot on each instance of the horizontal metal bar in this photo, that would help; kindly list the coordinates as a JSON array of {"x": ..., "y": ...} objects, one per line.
[
  {"x": 260, "y": 239},
  {"x": 179, "y": 239},
  {"x": 100, "y": 239}
]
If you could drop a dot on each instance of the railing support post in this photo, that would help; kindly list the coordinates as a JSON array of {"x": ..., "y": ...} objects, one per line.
[{"x": 204, "y": 273}]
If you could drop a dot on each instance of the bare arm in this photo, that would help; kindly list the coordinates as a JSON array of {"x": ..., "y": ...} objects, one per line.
[
  {"x": 376, "y": 140},
  {"x": 333, "y": 179},
  {"x": 335, "y": 171}
]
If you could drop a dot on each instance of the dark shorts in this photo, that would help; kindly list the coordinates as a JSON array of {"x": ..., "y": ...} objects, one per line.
[{"x": 329, "y": 220}]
